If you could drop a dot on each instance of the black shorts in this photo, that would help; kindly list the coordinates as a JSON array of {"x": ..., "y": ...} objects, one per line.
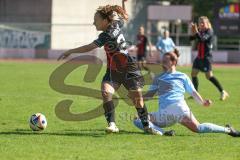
[
  {"x": 131, "y": 81},
  {"x": 204, "y": 65}
]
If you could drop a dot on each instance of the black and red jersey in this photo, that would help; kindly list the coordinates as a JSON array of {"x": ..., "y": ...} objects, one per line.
[
  {"x": 115, "y": 46},
  {"x": 141, "y": 44},
  {"x": 204, "y": 43}
]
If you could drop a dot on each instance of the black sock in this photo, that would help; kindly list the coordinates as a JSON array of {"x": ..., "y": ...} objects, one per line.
[
  {"x": 195, "y": 82},
  {"x": 143, "y": 115},
  {"x": 109, "y": 111},
  {"x": 216, "y": 83}
]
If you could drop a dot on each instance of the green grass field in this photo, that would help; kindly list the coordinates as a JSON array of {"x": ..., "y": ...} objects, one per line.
[{"x": 25, "y": 90}]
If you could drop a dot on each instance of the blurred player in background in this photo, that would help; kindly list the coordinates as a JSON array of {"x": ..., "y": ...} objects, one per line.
[
  {"x": 203, "y": 33},
  {"x": 171, "y": 86},
  {"x": 165, "y": 44},
  {"x": 142, "y": 42},
  {"x": 121, "y": 67}
]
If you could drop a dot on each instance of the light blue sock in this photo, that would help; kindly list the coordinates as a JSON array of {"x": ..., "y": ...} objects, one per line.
[
  {"x": 211, "y": 128},
  {"x": 138, "y": 124}
]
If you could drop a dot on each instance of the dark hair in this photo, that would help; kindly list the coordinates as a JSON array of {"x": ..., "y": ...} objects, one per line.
[
  {"x": 107, "y": 12},
  {"x": 176, "y": 52},
  {"x": 174, "y": 55}
]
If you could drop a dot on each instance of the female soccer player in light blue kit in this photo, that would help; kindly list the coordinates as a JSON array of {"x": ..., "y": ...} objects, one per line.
[{"x": 171, "y": 86}]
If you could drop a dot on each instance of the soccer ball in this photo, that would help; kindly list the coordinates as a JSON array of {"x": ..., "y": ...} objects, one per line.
[{"x": 38, "y": 122}]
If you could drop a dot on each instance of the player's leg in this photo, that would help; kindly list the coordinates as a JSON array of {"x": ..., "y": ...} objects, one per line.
[
  {"x": 192, "y": 123},
  {"x": 134, "y": 83},
  {"x": 216, "y": 83},
  {"x": 157, "y": 123},
  {"x": 195, "y": 70},
  {"x": 163, "y": 118},
  {"x": 137, "y": 122},
  {"x": 194, "y": 74},
  {"x": 108, "y": 88},
  {"x": 184, "y": 116},
  {"x": 139, "y": 61},
  {"x": 137, "y": 98},
  {"x": 207, "y": 64}
]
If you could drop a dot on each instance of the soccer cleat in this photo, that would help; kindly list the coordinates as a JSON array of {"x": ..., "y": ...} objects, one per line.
[
  {"x": 224, "y": 95},
  {"x": 112, "y": 128},
  {"x": 169, "y": 133},
  {"x": 233, "y": 132},
  {"x": 151, "y": 130}
]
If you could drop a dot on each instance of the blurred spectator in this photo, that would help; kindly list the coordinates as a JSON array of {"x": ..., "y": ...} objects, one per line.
[
  {"x": 165, "y": 44},
  {"x": 142, "y": 42}
]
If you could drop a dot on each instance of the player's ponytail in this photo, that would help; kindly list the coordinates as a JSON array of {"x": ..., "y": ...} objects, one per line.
[
  {"x": 120, "y": 11},
  {"x": 176, "y": 52},
  {"x": 174, "y": 55},
  {"x": 111, "y": 12}
]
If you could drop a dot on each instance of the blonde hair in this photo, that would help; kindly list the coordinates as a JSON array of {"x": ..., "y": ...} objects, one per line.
[{"x": 202, "y": 18}]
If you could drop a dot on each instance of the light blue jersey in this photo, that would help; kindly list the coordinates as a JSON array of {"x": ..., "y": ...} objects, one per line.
[
  {"x": 165, "y": 45},
  {"x": 171, "y": 87}
]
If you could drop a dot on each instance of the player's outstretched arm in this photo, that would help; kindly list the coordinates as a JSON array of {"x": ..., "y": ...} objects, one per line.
[
  {"x": 200, "y": 100},
  {"x": 82, "y": 49},
  {"x": 123, "y": 5},
  {"x": 149, "y": 95}
]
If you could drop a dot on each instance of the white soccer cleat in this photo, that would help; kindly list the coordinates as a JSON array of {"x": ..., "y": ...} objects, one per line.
[
  {"x": 112, "y": 128},
  {"x": 224, "y": 95}
]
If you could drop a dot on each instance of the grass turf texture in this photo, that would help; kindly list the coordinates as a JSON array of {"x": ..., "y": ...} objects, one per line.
[{"x": 25, "y": 90}]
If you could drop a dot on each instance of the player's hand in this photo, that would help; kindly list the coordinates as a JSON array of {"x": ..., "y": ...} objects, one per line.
[
  {"x": 194, "y": 28},
  {"x": 207, "y": 102},
  {"x": 64, "y": 55},
  {"x": 123, "y": 1}
]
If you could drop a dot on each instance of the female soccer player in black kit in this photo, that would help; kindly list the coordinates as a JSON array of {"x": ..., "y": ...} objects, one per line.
[
  {"x": 204, "y": 36},
  {"x": 121, "y": 67}
]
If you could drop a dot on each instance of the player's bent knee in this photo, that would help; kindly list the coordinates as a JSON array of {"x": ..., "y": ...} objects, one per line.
[{"x": 106, "y": 95}]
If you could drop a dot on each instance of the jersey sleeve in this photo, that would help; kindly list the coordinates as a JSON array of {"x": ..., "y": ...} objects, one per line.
[
  {"x": 188, "y": 85},
  {"x": 205, "y": 36},
  {"x": 102, "y": 39}
]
